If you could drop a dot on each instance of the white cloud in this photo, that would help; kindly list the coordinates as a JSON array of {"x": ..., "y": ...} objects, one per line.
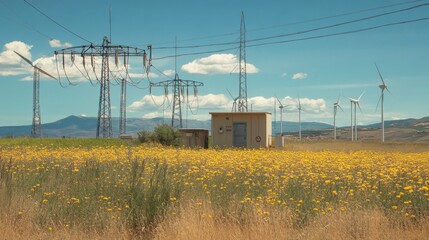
[
  {"x": 55, "y": 43},
  {"x": 299, "y": 76},
  {"x": 284, "y": 75},
  {"x": 152, "y": 106},
  {"x": 169, "y": 72},
  {"x": 308, "y": 105},
  {"x": 153, "y": 115},
  {"x": 10, "y": 63},
  {"x": 312, "y": 105},
  {"x": 217, "y": 64},
  {"x": 147, "y": 103},
  {"x": 142, "y": 75},
  {"x": 214, "y": 101},
  {"x": 156, "y": 102}
]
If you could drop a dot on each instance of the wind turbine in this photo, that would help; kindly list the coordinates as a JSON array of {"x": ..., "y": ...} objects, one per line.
[
  {"x": 234, "y": 105},
  {"x": 299, "y": 117},
  {"x": 36, "y": 129},
  {"x": 281, "y": 117},
  {"x": 336, "y": 106},
  {"x": 354, "y": 102},
  {"x": 383, "y": 87}
]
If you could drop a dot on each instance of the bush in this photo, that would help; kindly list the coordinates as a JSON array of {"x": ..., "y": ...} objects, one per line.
[
  {"x": 163, "y": 134},
  {"x": 166, "y": 135},
  {"x": 145, "y": 136}
]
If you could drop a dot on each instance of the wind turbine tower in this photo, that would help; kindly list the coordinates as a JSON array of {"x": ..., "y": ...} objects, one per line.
[
  {"x": 383, "y": 87},
  {"x": 281, "y": 117},
  {"x": 353, "y": 103},
  {"x": 336, "y": 106},
  {"x": 242, "y": 97},
  {"x": 36, "y": 128}
]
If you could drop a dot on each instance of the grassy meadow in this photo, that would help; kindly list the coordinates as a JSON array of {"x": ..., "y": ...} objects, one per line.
[{"x": 111, "y": 189}]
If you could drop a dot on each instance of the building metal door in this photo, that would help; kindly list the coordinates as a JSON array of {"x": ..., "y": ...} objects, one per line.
[{"x": 239, "y": 138}]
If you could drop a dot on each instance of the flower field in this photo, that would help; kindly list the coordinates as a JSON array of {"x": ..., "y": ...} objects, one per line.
[{"x": 139, "y": 189}]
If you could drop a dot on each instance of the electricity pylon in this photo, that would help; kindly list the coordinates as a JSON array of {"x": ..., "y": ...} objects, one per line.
[
  {"x": 242, "y": 97},
  {"x": 178, "y": 86},
  {"x": 105, "y": 51},
  {"x": 122, "y": 115}
]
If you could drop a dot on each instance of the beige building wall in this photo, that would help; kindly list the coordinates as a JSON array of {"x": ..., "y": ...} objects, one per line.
[
  {"x": 195, "y": 138},
  {"x": 258, "y": 128}
]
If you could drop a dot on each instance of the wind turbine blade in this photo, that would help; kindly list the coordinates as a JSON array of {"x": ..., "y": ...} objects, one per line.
[
  {"x": 338, "y": 100},
  {"x": 44, "y": 72},
  {"x": 381, "y": 77},
  {"x": 361, "y": 96},
  {"x": 340, "y": 108},
  {"x": 388, "y": 90},
  {"x": 25, "y": 59},
  {"x": 230, "y": 94},
  {"x": 360, "y": 108},
  {"x": 378, "y": 103},
  {"x": 281, "y": 105}
]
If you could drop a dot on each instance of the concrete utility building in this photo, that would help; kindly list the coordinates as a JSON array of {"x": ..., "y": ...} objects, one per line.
[
  {"x": 241, "y": 129},
  {"x": 195, "y": 138}
]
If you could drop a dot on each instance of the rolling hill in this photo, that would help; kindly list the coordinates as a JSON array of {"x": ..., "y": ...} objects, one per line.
[{"x": 85, "y": 127}]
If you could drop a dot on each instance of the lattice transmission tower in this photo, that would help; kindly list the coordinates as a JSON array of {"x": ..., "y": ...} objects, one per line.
[
  {"x": 36, "y": 127},
  {"x": 123, "y": 106},
  {"x": 178, "y": 86},
  {"x": 105, "y": 51},
  {"x": 242, "y": 96}
]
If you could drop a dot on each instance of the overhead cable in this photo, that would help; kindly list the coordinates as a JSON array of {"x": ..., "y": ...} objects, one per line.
[
  {"x": 68, "y": 30},
  {"x": 301, "y": 39},
  {"x": 341, "y": 33},
  {"x": 309, "y": 30}
]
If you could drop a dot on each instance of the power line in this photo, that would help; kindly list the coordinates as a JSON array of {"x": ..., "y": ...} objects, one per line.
[
  {"x": 300, "y": 39},
  {"x": 23, "y": 22},
  {"x": 196, "y": 53},
  {"x": 338, "y": 15},
  {"x": 313, "y": 29},
  {"x": 68, "y": 30},
  {"x": 342, "y": 23},
  {"x": 341, "y": 33},
  {"x": 169, "y": 77}
]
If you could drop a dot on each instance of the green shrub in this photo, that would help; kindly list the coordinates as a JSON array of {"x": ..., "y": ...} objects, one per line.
[
  {"x": 162, "y": 134},
  {"x": 145, "y": 136},
  {"x": 166, "y": 135}
]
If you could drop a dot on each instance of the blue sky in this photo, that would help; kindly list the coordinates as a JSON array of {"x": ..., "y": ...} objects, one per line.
[{"x": 315, "y": 70}]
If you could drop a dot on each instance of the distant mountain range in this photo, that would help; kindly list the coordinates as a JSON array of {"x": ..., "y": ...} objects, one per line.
[{"x": 85, "y": 127}]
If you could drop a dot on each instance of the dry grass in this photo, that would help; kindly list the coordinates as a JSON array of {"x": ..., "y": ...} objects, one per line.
[
  {"x": 348, "y": 146},
  {"x": 362, "y": 224},
  {"x": 19, "y": 222},
  {"x": 193, "y": 222}
]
